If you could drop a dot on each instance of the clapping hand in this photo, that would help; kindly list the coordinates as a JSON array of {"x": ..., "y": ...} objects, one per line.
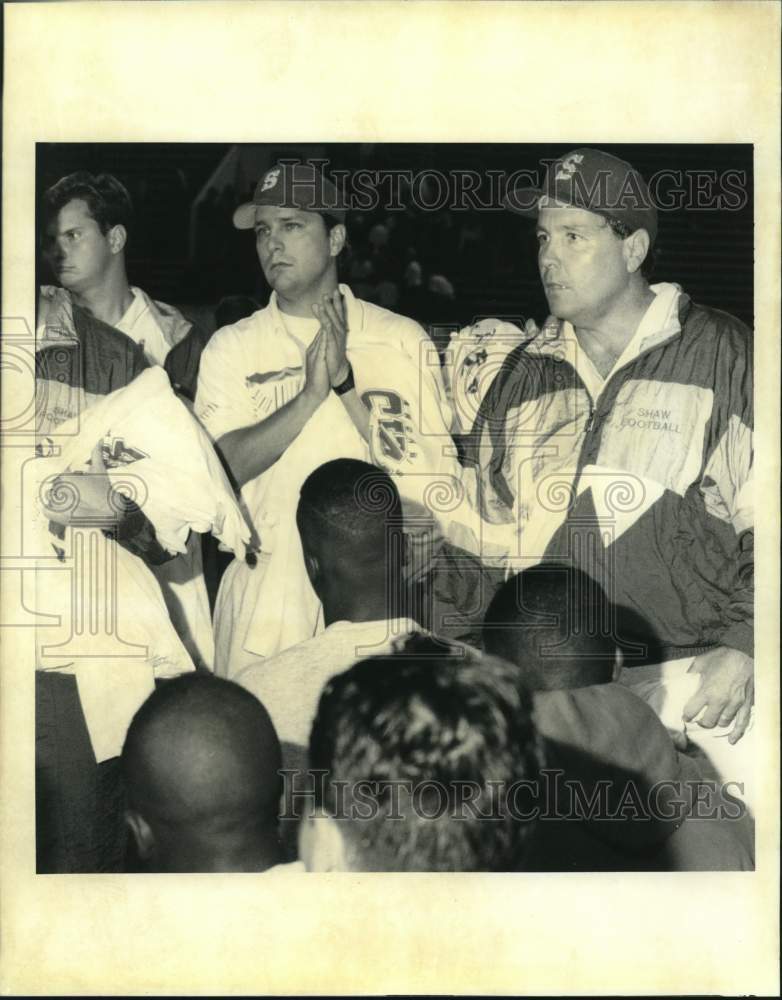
[
  {"x": 333, "y": 320},
  {"x": 317, "y": 382}
]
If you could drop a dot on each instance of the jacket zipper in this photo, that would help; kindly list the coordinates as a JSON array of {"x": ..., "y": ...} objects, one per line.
[{"x": 591, "y": 417}]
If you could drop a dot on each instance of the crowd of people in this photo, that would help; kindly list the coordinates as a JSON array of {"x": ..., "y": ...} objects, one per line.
[{"x": 383, "y": 603}]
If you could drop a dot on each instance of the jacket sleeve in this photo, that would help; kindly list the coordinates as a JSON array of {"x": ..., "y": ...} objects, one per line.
[
  {"x": 731, "y": 471},
  {"x": 183, "y": 361},
  {"x": 738, "y": 489},
  {"x": 739, "y": 616}
]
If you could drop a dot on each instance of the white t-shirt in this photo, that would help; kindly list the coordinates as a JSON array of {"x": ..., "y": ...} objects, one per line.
[
  {"x": 290, "y": 684},
  {"x": 252, "y": 368},
  {"x": 303, "y": 328}
]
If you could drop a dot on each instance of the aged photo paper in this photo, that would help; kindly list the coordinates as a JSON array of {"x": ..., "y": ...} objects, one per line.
[{"x": 229, "y": 71}]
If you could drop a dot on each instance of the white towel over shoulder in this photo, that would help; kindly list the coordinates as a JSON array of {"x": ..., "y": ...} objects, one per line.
[{"x": 156, "y": 451}]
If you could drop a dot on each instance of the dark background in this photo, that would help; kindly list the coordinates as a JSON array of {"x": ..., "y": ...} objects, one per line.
[{"x": 183, "y": 248}]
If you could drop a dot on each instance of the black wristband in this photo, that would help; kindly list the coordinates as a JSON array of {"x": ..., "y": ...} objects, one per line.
[{"x": 347, "y": 385}]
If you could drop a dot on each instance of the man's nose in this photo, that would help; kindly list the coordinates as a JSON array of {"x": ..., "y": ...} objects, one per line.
[
  {"x": 55, "y": 251},
  {"x": 275, "y": 241},
  {"x": 547, "y": 257}
]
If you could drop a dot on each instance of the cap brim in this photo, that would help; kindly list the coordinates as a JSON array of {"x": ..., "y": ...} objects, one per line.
[
  {"x": 523, "y": 201},
  {"x": 244, "y": 216}
]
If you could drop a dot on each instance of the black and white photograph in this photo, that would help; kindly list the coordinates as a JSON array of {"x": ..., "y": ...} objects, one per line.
[
  {"x": 387, "y": 506},
  {"x": 554, "y": 346}
]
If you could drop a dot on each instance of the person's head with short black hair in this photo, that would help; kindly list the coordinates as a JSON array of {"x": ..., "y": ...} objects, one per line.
[
  {"x": 201, "y": 761},
  {"x": 423, "y": 751},
  {"x": 555, "y": 623},
  {"x": 106, "y": 197},
  {"x": 85, "y": 221},
  {"x": 350, "y": 522}
]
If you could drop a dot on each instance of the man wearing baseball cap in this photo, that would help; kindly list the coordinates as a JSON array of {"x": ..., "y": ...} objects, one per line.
[
  {"x": 619, "y": 437},
  {"x": 314, "y": 376}
]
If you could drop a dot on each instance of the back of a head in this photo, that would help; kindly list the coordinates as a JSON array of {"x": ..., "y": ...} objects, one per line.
[
  {"x": 423, "y": 749},
  {"x": 201, "y": 758},
  {"x": 555, "y": 623},
  {"x": 107, "y": 199},
  {"x": 350, "y": 510}
]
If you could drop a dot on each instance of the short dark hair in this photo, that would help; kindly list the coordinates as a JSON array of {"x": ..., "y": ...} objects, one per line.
[
  {"x": 220, "y": 719},
  {"x": 351, "y": 501},
  {"x": 106, "y": 197},
  {"x": 424, "y": 721},
  {"x": 556, "y": 624},
  {"x": 621, "y": 230}
]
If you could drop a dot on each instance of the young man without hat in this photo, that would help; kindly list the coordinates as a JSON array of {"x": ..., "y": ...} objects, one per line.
[
  {"x": 349, "y": 517},
  {"x": 87, "y": 223},
  {"x": 201, "y": 761},
  {"x": 619, "y": 437},
  {"x": 315, "y": 375},
  {"x": 96, "y": 332},
  {"x": 430, "y": 761}
]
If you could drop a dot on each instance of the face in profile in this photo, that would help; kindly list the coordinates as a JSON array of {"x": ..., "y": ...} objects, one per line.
[
  {"x": 78, "y": 253},
  {"x": 582, "y": 263}
]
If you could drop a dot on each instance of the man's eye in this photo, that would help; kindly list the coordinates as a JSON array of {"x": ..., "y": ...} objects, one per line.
[
  {"x": 292, "y": 225},
  {"x": 573, "y": 237},
  {"x": 541, "y": 238}
]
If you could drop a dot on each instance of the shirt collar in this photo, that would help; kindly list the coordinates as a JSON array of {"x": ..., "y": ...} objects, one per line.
[{"x": 658, "y": 323}]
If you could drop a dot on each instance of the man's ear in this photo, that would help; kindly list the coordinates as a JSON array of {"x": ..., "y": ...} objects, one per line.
[
  {"x": 618, "y": 662},
  {"x": 312, "y": 563},
  {"x": 118, "y": 237},
  {"x": 337, "y": 236},
  {"x": 636, "y": 247},
  {"x": 142, "y": 834},
  {"x": 321, "y": 844}
]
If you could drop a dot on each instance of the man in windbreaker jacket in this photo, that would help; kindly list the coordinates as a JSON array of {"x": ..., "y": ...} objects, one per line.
[
  {"x": 619, "y": 437},
  {"x": 94, "y": 335},
  {"x": 95, "y": 332}
]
